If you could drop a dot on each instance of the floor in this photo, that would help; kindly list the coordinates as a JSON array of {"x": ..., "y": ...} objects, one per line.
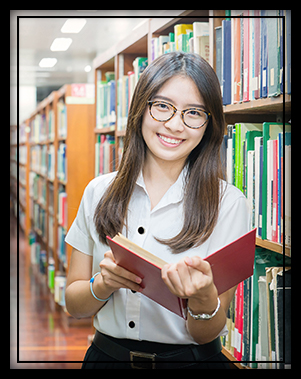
[{"x": 45, "y": 334}]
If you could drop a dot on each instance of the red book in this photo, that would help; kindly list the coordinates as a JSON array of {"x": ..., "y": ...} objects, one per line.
[{"x": 230, "y": 265}]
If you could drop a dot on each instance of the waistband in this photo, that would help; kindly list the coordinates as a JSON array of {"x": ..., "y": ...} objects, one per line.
[{"x": 149, "y": 355}]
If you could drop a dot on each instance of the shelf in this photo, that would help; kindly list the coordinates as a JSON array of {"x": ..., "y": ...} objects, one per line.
[
  {"x": 229, "y": 356},
  {"x": 274, "y": 246},
  {"x": 260, "y": 106}
]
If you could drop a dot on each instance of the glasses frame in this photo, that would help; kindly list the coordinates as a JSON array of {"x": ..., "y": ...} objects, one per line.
[{"x": 150, "y": 104}]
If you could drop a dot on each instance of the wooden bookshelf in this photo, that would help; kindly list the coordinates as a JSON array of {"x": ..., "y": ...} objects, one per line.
[
  {"x": 138, "y": 43},
  {"x": 79, "y": 167}
]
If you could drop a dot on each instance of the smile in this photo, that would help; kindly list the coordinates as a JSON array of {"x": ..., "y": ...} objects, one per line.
[{"x": 170, "y": 141}]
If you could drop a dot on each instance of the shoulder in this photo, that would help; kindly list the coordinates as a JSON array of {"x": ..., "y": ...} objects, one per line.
[{"x": 230, "y": 194}]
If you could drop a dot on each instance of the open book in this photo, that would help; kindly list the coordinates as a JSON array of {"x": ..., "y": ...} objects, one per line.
[{"x": 230, "y": 265}]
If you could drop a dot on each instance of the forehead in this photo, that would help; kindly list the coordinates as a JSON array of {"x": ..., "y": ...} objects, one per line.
[{"x": 181, "y": 91}]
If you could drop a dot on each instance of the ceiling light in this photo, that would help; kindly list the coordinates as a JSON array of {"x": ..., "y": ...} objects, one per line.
[
  {"x": 47, "y": 62},
  {"x": 87, "y": 68},
  {"x": 73, "y": 25},
  {"x": 61, "y": 44}
]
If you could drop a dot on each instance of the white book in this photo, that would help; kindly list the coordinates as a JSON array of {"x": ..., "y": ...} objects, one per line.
[
  {"x": 269, "y": 189},
  {"x": 257, "y": 141}
]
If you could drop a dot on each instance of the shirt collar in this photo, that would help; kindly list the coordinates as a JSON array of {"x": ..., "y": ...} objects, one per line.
[{"x": 173, "y": 195}]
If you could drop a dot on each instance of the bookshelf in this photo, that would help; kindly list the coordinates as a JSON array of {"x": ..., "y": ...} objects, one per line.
[
  {"x": 59, "y": 140},
  {"x": 119, "y": 59}
]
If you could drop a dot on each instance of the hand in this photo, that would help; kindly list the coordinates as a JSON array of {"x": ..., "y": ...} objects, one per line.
[
  {"x": 112, "y": 277},
  {"x": 190, "y": 278}
]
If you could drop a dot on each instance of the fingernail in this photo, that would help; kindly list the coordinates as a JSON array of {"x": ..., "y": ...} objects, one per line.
[
  {"x": 188, "y": 260},
  {"x": 138, "y": 280}
]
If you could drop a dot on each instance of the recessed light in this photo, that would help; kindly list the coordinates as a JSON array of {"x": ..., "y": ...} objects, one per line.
[
  {"x": 47, "y": 62},
  {"x": 87, "y": 68},
  {"x": 73, "y": 25},
  {"x": 61, "y": 44}
]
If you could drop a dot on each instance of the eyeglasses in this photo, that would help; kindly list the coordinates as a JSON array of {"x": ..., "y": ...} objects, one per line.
[{"x": 162, "y": 111}]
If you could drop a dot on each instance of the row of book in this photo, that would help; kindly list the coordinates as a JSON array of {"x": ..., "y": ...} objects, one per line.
[
  {"x": 192, "y": 38},
  {"x": 61, "y": 162},
  {"x": 106, "y": 112},
  {"x": 42, "y": 158},
  {"x": 42, "y": 129},
  {"x": 254, "y": 156},
  {"x": 56, "y": 280},
  {"x": 258, "y": 319},
  {"x": 105, "y": 154},
  {"x": 37, "y": 188},
  {"x": 252, "y": 56}
]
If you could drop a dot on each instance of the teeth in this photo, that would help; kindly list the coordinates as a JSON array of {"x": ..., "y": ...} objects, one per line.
[{"x": 170, "y": 140}]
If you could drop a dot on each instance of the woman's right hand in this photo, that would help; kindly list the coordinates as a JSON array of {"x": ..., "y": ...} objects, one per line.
[{"x": 112, "y": 277}]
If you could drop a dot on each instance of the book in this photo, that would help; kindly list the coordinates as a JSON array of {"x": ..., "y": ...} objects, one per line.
[{"x": 230, "y": 265}]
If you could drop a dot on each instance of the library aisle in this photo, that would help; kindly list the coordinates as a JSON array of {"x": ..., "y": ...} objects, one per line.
[{"x": 44, "y": 335}]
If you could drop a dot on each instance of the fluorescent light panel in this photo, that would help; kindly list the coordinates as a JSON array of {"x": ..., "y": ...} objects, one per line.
[
  {"x": 60, "y": 44},
  {"x": 73, "y": 25},
  {"x": 47, "y": 62}
]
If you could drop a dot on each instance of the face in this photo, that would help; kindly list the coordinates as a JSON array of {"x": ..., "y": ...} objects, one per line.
[{"x": 172, "y": 140}]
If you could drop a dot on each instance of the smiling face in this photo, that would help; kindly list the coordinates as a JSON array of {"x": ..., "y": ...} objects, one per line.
[{"x": 171, "y": 140}]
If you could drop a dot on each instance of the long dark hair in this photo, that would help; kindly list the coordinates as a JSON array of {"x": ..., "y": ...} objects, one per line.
[{"x": 202, "y": 192}]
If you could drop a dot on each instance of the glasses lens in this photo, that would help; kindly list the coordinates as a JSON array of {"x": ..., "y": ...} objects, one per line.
[
  {"x": 161, "y": 111},
  {"x": 195, "y": 118}
]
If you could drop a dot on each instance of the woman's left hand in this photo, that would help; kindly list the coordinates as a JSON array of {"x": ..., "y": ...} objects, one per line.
[{"x": 190, "y": 278}]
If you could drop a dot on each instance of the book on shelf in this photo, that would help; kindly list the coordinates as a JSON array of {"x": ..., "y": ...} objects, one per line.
[
  {"x": 61, "y": 119},
  {"x": 62, "y": 209},
  {"x": 105, "y": 154},
  {"x": 230, "y": 265},
  {"x": 254, "y": 333},
  {"x": 254, "y": 161},
  {"x": 255, "y": 47},
  {"x": 62, "y": 162},
  {"x": 192, "y": 38},
  {"x": 105, "y": 104}
]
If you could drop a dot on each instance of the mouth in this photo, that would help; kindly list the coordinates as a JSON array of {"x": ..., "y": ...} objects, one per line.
[{"x": 168, "y": 141}]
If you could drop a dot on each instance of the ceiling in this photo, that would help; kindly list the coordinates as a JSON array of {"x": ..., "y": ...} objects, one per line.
[{"x": 37, "y": 33}]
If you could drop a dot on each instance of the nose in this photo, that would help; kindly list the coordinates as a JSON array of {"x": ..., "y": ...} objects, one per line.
[{"x": 175, "y": 124}]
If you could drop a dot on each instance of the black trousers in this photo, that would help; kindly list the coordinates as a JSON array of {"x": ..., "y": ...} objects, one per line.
[{"x": 97, "y": 359}]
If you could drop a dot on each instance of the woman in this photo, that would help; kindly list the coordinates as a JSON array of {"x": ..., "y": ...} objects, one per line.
[{"x": 169, "y": 198}]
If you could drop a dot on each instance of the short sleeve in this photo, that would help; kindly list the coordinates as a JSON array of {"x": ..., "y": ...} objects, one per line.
[
  {"x": 79, "y": 234},
  {"x": 233, "y": 223}
]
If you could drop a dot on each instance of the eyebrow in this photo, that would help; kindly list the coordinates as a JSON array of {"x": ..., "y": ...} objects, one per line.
[{"x": 169, "y": 100}]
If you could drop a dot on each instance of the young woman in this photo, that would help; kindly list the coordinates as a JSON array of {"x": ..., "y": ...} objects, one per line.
[{"x": 169, "y": 198}]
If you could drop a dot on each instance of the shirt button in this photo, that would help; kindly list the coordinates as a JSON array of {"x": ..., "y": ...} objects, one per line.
[
  {"x": 141, "y": 230},
  {"x": 131, "y": 324}
]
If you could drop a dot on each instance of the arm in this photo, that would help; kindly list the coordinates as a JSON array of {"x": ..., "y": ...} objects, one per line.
[
  {"x": 79, "y": 300},
  {"x": 192, "y": 278}
]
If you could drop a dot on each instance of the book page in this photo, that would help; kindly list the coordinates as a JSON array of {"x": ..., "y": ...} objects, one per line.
[{"x": 139, "y": 250}]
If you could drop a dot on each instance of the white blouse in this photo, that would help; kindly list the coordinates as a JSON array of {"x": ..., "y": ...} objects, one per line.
[{"x": 132, "y": 315}]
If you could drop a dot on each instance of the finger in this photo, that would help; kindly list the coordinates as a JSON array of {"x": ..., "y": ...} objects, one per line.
[
  {"x": 111, "y": 266},
  {"x": 116, "y": 282},
  {"x": 171, "y": 278},
  {"x": 199, "y": 264}
]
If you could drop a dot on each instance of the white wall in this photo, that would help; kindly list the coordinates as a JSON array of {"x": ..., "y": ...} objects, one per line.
[{"x": 27, "y": 103}]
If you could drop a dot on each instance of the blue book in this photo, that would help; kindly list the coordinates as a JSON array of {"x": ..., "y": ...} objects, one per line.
[{"x": 226, "y": 61}]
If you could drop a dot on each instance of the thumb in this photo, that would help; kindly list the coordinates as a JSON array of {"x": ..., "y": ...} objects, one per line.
[{"x": 198, "y": 263}]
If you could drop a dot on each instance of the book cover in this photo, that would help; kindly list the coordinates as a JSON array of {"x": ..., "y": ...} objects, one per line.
[{"x": 230, "y": 265}]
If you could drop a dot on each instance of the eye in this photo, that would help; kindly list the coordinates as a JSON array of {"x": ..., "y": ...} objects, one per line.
[
  {"x": 194, "y": 113},
  {"x": 161, "y": 106}
]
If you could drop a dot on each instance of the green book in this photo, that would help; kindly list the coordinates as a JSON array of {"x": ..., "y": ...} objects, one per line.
[{"x": 270, "y": 132}]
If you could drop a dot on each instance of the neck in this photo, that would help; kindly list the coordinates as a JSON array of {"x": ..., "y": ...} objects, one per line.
[{"x": 155, "y": 169}]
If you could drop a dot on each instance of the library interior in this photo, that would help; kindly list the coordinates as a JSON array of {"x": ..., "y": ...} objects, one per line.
[{"x": 73, "y": 75}]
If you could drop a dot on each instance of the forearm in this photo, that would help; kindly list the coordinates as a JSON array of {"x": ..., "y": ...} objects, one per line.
[
  {"x": 204, "y": 331},
  {"x": 80, "y": 301}
]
